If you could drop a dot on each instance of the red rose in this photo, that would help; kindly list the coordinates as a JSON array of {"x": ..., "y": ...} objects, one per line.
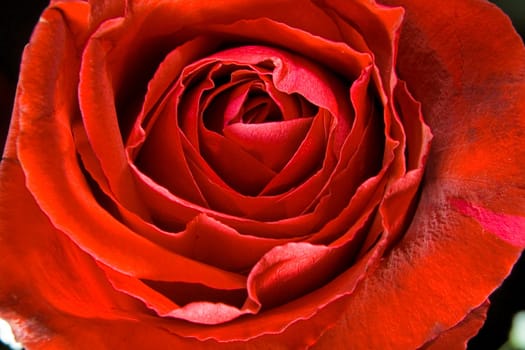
[{"x": 258, "y": 174}]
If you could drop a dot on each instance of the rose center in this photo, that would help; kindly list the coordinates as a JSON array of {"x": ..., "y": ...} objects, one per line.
[
  {"x": 242, "y": 97},
  {"x": 251, "y": 121}
]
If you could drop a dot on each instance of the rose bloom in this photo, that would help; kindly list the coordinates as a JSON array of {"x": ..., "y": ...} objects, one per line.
[{"x": 262, "y": 174}]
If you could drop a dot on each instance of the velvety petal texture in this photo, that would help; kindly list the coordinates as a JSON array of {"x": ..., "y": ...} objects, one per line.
[{"x": 277, "y": 174}]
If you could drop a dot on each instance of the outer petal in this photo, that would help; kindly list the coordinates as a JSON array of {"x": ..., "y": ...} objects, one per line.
[
  {"x": 426, "y": 285},
  {"x": 102, "y": 10},
  {"x": 46, "y": 287},
  {"x": 47, "y": 104},
  {"x": 457, "y": 336},
  {"x": 33, "y": 299},
  {"x": 454, "y": 253}
]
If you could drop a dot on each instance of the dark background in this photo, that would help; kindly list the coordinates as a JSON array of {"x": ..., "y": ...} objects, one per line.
[{"x": 17, "y": 19}]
